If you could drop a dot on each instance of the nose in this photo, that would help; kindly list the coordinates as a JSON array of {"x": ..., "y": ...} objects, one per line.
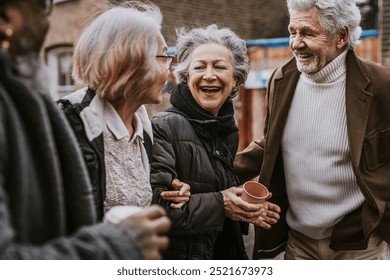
[
  {"x": 209, "y": 73},
  {"x": 296, "y": 43}
]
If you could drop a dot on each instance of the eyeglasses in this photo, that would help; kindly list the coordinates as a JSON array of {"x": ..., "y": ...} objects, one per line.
[{"x": 167, "y": 59}]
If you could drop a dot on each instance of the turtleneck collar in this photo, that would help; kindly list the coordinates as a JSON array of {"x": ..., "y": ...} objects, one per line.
[{"x": 331, "y": 72}]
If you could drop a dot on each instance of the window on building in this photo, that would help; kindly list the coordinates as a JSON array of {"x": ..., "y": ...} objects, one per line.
[{"x": 59, "y": 61}]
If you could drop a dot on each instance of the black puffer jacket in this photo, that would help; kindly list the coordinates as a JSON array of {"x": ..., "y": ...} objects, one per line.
[{"x": 197, "y": 148}]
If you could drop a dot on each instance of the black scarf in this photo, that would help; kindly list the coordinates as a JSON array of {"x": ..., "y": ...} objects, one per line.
[
  {"x": 214, "y": 131},
  {"x": 206, "y": 124}
]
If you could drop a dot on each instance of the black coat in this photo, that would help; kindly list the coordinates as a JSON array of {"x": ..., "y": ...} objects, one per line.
[
  {"x": 46, "y": 203},
  {"x": 197, "y": 148}
]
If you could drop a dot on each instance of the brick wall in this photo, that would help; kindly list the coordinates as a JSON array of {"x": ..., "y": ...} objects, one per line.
[
  {"x": 385, "y": 30},
  {"x": 68, "y": 19},
  {"x": 250, "y": 19}
]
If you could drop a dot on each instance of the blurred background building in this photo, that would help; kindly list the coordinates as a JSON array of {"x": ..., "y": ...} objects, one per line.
[{"x": 262, "y": 23}]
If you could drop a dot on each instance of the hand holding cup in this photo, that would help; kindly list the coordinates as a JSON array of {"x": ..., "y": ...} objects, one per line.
[{"x": 254, "y": 192}]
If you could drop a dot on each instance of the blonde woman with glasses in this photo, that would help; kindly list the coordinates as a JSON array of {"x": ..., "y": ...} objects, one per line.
[{"x": 121, "y": 57}]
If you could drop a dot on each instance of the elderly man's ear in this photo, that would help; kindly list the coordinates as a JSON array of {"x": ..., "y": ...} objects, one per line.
[{"x": 343, "y": 36}]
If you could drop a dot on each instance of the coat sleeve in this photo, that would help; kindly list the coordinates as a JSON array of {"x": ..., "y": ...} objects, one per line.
[
  {"x": 247, "y": 163},
  {"x": 99, "y": 241},
  {"x": 204, "y": 211}
]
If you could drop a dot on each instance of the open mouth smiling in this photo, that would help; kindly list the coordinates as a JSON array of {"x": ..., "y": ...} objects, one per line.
[
  {"x": 210, "y": 89},
  {"x": 304, "y": 55}
]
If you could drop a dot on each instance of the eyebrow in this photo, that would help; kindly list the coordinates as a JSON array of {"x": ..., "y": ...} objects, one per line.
[
  {"x": 302, "y": 28},
  {"x": 216, "y": 60}
]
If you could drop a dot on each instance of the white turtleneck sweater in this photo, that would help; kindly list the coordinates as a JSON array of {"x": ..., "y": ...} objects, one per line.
[{"x": 321, "y": 185}]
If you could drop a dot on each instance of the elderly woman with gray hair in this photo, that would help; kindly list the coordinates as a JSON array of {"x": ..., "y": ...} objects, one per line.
[{"x": 196, "y": 140}]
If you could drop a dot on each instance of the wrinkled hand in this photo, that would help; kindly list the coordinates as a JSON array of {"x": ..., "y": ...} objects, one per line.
[
  {"x": 180, "y": 195},
  {"x": 271, "y": 216},
  {"x": 239, "y": 210},
  {"x": 145, "y": 228}
]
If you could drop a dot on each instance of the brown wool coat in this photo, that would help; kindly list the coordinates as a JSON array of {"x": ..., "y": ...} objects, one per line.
[{"x": 368, "y": 127}]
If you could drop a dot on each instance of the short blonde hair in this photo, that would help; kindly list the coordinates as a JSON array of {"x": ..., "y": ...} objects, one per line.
[{"x": 115, "y": 55}]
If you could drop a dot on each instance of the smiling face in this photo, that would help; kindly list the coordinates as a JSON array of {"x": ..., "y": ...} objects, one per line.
[
  {"x": 210, "y": 76},
  {"x": 313, "y": 48}
]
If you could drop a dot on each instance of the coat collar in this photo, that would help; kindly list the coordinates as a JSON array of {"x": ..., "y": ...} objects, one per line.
[
  {"x": 358, "y": 104},
  {"x": 92, "y": 115}
]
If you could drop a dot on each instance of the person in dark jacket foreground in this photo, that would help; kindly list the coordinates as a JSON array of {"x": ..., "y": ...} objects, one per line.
[
  {"x": 47, "y": 209},
  {"x": 196, "y": 140}
]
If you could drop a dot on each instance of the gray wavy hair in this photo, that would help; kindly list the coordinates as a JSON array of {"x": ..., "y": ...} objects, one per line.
[
  {"x": 335, "y": 15},
  {"x": 189, "y": 40}
]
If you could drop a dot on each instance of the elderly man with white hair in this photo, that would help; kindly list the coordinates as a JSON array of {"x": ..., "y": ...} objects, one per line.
[{"x": 325, "y": 155}]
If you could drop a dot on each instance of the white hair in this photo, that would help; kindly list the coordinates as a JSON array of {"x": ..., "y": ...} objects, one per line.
[{"x": 334, "y": 16}]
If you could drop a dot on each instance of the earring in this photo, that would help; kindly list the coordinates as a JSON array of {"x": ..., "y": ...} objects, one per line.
[
  {"x": 235, "y": 91},
  {"x": 5, "y": 44}
]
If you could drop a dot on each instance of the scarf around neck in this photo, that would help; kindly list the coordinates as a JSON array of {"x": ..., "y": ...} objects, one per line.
[{"x": 223, "y": 124}]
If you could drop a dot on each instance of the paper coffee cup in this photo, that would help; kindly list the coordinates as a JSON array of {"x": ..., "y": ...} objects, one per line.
[
  {"x": 254, "y": 192},
  {"x": 120, "y": 212}
]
